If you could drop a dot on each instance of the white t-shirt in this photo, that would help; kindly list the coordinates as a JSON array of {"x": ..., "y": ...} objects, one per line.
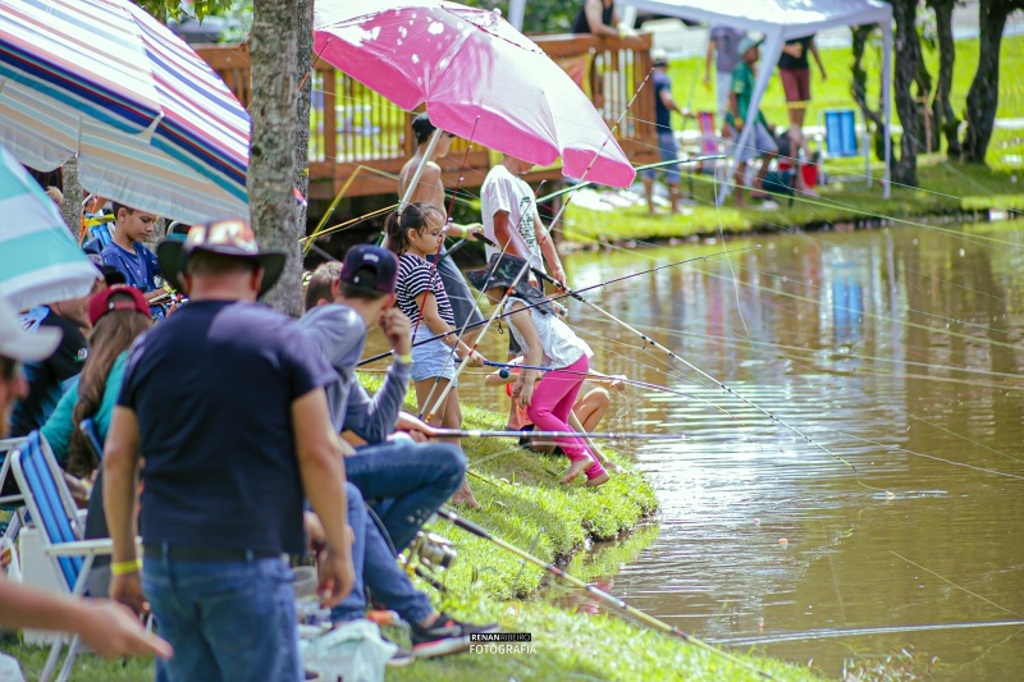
[
  {"x": 560, "y": 344},
  {"x": 503, "y": 191}
]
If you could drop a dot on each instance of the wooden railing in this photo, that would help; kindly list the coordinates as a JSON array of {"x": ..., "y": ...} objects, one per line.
[{"x": 355, "y": 131}]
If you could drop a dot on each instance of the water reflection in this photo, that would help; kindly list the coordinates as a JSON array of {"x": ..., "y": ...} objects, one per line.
[{"x": 894, "y": 350}]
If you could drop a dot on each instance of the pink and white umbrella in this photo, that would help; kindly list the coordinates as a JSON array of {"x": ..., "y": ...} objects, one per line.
[{"x": 479, "y": 77}]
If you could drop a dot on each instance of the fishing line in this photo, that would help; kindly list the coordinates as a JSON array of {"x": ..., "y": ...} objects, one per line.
[
  {"x": 775, "y": 419},
  {"x": 603, "y": 378},
  {"x": 962, "y": 589},
  {"x": 859, "y": 632},
  {"x": 877, "y": 316},
  {"x": 540, "y": 242},
  {"x": 704, "y": 401},
  {"x": 602, "y": 435},
  {"x": 750, "y": 343},
  {"x": 636, "y": 613},
  {"x": 893, "y": 410},
  {"x": 558, "y": 297}
]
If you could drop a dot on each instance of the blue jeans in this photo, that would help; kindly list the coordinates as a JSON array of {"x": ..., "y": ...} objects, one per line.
[
  {"x": 406, "y": 482},
  {"x": 377, "y": 569},
  {"x": 226, "y": 620}
]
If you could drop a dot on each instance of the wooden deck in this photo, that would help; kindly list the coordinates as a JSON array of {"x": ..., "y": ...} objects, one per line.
[{"x": 360, "y": 139}]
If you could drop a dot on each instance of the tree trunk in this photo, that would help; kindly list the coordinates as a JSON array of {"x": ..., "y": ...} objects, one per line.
[
  {"x": 304, "y": 59},
  {"x": 908, "y": 54},
  {"x": 927, "y": 135},
  {"x": 943, "y": 117},
  {"x": 983, "y": 97},
  {"x": 272, "y": 44},
  {"x": 859, "y": 86},
  {"x": 71, "y": 205}
]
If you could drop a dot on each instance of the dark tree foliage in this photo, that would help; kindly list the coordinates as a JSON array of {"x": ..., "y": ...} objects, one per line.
[
  {"x": 542, "y": 16},
  {"x": 174, "y": 9}
]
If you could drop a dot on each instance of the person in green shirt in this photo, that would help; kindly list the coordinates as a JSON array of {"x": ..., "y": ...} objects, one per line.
[{"x": 760, "y": 143}]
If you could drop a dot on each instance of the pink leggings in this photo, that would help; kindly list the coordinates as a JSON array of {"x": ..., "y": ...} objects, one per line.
[{"x": 553, "y": 398}]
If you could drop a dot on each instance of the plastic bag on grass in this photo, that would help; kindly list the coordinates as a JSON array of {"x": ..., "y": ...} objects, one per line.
[{"x": 354, "y": 652}]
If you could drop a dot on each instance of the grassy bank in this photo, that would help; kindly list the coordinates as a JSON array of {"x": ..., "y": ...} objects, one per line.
[
  {"x": 573, "y": 636},
  {"x": 947, "y": 189}
]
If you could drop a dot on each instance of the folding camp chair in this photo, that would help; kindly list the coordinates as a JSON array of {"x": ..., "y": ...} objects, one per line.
[
  {"x": 841, "y": 139},
  {"x": 52, "y": 509},
  {"x": 11, "y": 502}
]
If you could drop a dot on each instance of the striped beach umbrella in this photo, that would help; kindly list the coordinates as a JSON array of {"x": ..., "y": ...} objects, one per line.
[
  {"x": 40, "y": 262},
  {"x": 152, "y": 124}
]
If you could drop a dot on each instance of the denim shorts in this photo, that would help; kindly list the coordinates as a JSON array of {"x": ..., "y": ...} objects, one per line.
[
  {"x": 433, "y": 359},
  {"x": 668, "y": 149},
  {"x": 760, "y": 143}
]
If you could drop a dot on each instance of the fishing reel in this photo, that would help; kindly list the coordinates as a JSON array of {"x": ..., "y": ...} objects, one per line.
[{"x": 433, "y": 551}]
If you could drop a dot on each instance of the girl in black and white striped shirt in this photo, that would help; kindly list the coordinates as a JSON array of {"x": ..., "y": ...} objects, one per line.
[{"x": 414, "y": 234}]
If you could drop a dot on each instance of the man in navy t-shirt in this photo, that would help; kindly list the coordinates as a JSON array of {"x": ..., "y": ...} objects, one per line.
[
  {"x": 668, "y": 148},
  {"x": 226, "y": 399}
]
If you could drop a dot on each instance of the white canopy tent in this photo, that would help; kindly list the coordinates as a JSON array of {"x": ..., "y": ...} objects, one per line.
[{"x": 782, "y": 20}]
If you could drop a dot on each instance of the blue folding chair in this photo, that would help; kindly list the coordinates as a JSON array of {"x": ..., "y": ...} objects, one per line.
[
  {"x": 841, "y": 139},
  {"x": 11, "y": 503},
  {"x": 53, "y": 510}
]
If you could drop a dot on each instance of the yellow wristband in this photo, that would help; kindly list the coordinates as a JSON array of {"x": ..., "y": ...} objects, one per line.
[
  {"x": 125, "y": 567},
  {"x": 404, "y": 359}
]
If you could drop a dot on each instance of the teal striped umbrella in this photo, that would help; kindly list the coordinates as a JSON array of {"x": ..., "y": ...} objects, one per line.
[{"x": 39, "y": 259}]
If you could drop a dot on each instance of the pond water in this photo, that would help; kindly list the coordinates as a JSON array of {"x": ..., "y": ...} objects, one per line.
[{"x": 859, "y": 488}]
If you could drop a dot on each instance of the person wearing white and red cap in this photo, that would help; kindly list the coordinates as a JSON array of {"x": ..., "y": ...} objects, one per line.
[{"x": 105, "y": 627}]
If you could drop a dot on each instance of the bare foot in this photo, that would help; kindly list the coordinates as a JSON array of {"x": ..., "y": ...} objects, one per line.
[
  {"x": 465, "y": 496},
  {"x": 612, "y": 468},
  {"x": 576, "y": 468},
  {"x": 598, "y": 480}
]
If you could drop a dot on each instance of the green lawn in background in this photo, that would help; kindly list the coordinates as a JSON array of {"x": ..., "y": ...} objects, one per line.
[{"x": 834, "y": 93}]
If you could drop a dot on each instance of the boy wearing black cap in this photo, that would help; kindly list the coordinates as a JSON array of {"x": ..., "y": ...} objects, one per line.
[{"x": 405, "y": 481}]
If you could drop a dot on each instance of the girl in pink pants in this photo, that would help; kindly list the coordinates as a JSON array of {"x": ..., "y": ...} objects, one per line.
[{"x": 546, "y": 341}]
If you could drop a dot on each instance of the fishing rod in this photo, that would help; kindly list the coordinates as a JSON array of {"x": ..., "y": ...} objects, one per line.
[
  {"x": 647, "y": 166},
  {"x": 673, "y": 355},
  {"x": 558, "y": 297},
  {"x": 522, "y": 271},
  {"x": 604, "y": 435},
  {"x": 506, "y": 368},
  {"x": 645, "y": 618}
]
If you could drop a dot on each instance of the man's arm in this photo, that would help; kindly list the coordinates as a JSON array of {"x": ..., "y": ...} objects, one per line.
[
  {"x": 120, "y": 470},
  {"x": 109, "y": 629},
  {"x": 593, "y": 10},
  {"x": 548, "y": 250},
  {"x": 319, "y": 453},
  {"x": 503, "y": 233}
]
